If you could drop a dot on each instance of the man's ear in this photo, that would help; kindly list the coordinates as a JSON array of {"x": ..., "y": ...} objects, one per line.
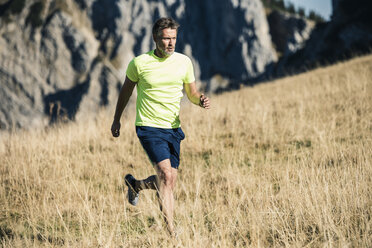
[{"x": 154, "y": 37}]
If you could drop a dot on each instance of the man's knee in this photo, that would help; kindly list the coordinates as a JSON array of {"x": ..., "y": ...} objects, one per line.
[
  {"x": 167, "y": 175},
  {"x": 167, "y": 178}
]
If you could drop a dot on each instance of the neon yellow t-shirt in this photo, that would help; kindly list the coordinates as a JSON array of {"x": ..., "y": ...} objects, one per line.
[{"x": 159, "y": 88}]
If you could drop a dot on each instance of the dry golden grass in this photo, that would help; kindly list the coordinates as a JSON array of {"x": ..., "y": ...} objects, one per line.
[{"x": 282, "y": 164}]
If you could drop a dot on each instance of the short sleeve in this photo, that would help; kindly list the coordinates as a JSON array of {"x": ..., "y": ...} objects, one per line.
[
  {"x": 132, "y": 72},
  {"x": 189, "y": 77}
]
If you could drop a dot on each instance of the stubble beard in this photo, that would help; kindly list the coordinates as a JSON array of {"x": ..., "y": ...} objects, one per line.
[{"x": 165, "y": 53}]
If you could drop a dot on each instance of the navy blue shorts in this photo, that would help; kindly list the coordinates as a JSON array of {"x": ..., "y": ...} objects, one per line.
[{"x": 161, "y": 143}]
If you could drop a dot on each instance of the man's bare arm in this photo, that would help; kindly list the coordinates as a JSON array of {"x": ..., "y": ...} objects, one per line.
[
  {"x": 125, "y": 93},
  {"x": 195, "y": 97}
]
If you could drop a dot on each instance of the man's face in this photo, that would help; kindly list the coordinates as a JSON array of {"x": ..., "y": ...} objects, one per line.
[{"x": 166, "y": 41}]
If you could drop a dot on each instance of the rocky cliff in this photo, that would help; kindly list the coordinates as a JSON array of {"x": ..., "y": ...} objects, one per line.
[
  {"x": 349, "y": 33},
  {"x": 66, "y": 59},
  {"x": 61, "y": 59}
]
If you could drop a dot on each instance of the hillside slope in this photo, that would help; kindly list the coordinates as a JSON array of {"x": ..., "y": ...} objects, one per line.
[{"x": 286, "y": 163}]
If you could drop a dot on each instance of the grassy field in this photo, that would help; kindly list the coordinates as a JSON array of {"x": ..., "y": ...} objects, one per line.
[{"x": 282, "y": 164}]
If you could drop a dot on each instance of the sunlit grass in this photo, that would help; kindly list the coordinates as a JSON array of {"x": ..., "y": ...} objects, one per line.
[{"x": 285, "y": 163}]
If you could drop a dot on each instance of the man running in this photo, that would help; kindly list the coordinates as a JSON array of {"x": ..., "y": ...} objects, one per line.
[{"x": 160, "y": 76}]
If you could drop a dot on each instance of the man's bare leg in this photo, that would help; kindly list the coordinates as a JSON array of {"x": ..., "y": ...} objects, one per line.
[{"x": 166, "y": 181}]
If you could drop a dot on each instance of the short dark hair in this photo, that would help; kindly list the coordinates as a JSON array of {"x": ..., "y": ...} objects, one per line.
[{"x": 162, "y": 23}]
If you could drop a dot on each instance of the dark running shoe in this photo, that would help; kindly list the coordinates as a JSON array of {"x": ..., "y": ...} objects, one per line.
[{"x": 132, "y": 193}]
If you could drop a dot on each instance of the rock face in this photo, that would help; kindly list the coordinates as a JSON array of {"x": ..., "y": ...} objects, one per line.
[
  {"x": 289, "y": 32},
  {"x": 230, "y": 39},
  {"x": 50, "y": 65},
  {"x": 65, "y": 59},
  {"x": 349, "y": 33}
]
